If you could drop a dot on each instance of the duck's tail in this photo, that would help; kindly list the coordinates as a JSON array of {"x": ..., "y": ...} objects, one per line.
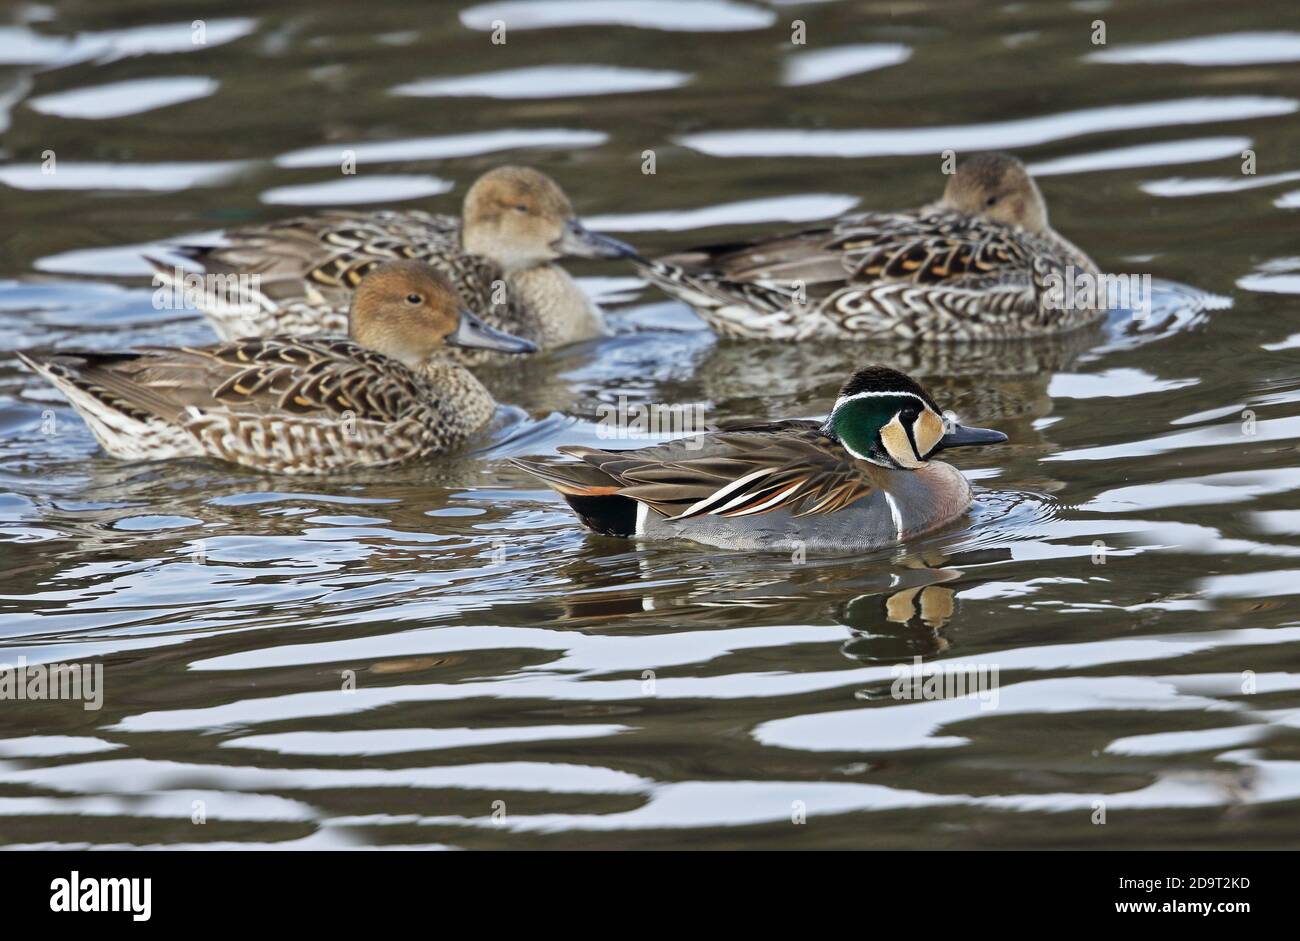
[
  {"x": 233, "y": 302},
  {"x": 128, "y": 419},
  {"x": 592, "y": 494}
]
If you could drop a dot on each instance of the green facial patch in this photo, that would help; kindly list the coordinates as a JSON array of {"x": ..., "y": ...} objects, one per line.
[{"x": 857, "y": 423}]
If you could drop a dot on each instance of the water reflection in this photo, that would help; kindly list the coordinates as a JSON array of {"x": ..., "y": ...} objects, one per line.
[
  {"x": 119, "y": 99},
  {"x": 376, "y": 659},
  {"x": 546, "y": 81},
  {"x": 1001, "y": 135}
]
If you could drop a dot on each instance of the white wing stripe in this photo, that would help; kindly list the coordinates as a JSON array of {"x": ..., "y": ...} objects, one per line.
[{"x": 701, "y": 506}]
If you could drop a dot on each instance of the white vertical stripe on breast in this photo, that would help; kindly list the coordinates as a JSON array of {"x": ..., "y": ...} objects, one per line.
[{"x": 894, "y": 512}]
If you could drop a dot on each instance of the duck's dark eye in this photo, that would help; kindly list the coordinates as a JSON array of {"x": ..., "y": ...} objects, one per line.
[
  {"x": 521, "y": 207},
  {"x": 414, "y": 299},
  {"x": 991, "y": 201}
]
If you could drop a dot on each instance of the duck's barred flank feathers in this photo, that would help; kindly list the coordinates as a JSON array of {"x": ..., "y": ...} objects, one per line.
[
  {"x": 930, "y": 274},
  {"x": 295, "y": 405}
]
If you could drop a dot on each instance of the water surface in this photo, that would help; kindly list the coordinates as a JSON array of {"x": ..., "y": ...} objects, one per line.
[{"x": 435, "y": 656}]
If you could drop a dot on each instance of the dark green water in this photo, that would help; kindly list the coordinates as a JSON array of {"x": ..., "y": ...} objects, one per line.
[{"x": 1131, "y": 571}]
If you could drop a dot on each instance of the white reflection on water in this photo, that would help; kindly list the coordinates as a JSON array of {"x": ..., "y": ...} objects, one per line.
[
  {"x": 1283, "y": 522},
  {"x": 400, "y": 741},
  {"x": 674, "y": 15},
  {"x": 897, "y": 725},
  {"x": 1165, "y": 153},
  {"x": 1181, "y": 743},
  {"x": 52, "y": 746},
  {"x": 1229, "y": 433},
  {"x": 546, "y": 81},
  {"x": 1238, "y": 486},
  {"x": 1019, "y": 132},
  {"x": 587, "y": 652},
  {"x": 442, "y": 147},
  {"x": 155, "y": 177},
  {"x": 804, "y": 207},
  {"x": 1275, "y": 276},
  {"x": 1180, "y": 186},
  {"x": 827, "y": 65},
  {"x": 1210, "y": 490},
  {"x": 117, "y": 99},
  {"x": 1232, "y": 49},
  {"x": 747, "y": 803},
  {"x": 1268, "y": 584},
  {"x": 12, "y": 90},
  {"x": 1293, "y": 341},
  {"x": 22, "y": 46},
  {"x": 561, "y": 686},
  {"x": 173, "y": 804},
  {"x": 379, "y": 188},
  {"x": 1111, "y": 383},
  {"x": 119, "y": 260},
  {"x": 136, "y": 775}
]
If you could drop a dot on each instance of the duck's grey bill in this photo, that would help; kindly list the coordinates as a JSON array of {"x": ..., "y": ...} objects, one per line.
[
  {"x": 475, "y": 334},
  {"x": 961, "y": 437},
  {"x": 580, "y": 242}
]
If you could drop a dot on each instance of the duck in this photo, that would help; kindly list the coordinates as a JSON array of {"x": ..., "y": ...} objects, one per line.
[
  {"x": 384, "y": 394},
  {"x": 863, "y": 479},
  {"x": 977, "y": 264},
  {"x": 294, "y": 276}
]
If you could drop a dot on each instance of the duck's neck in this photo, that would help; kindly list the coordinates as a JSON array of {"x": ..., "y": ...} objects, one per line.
[
  {"x": 464, "y": 404},
  {"x": 925, "y": 498},
  {"x": 563, "y": 311}
]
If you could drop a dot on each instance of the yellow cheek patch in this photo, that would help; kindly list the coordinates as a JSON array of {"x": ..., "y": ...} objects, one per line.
[
  {"x": 927, "y": 431},
  {"x": 894, "y": 438}
]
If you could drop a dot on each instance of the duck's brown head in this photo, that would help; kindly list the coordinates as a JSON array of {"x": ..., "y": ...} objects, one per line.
[
  {"x": 520, "y": 218},
  {"x": 998, "y": 187},
  {"x": 407, "y": 310}
]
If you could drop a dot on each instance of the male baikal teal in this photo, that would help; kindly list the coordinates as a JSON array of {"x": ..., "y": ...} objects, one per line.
[{"x": 862, "y": 480}]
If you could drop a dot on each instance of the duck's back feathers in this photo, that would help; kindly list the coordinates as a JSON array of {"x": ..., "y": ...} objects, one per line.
[
  {"x": 931, "y": 273},
  {"x": 331, "y": 249},
  {"x": 739, "y": 472},
  {"x": 306, "y": 269}
]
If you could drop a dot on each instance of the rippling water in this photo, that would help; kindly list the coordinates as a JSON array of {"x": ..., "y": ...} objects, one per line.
[{"x": 436, "y": 656}]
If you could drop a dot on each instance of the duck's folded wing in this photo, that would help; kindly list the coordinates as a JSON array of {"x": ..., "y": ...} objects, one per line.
[
  {"x": 803, "y": 261},
  {"x": 936, "y": 248},
  {"x": 929, "y": 247},
  {"x": 328, "y": 251},
  {"x": 289, "y": 377},
  {"x": 328, "y": 377},
  {"x": 785, "y": 465}
]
